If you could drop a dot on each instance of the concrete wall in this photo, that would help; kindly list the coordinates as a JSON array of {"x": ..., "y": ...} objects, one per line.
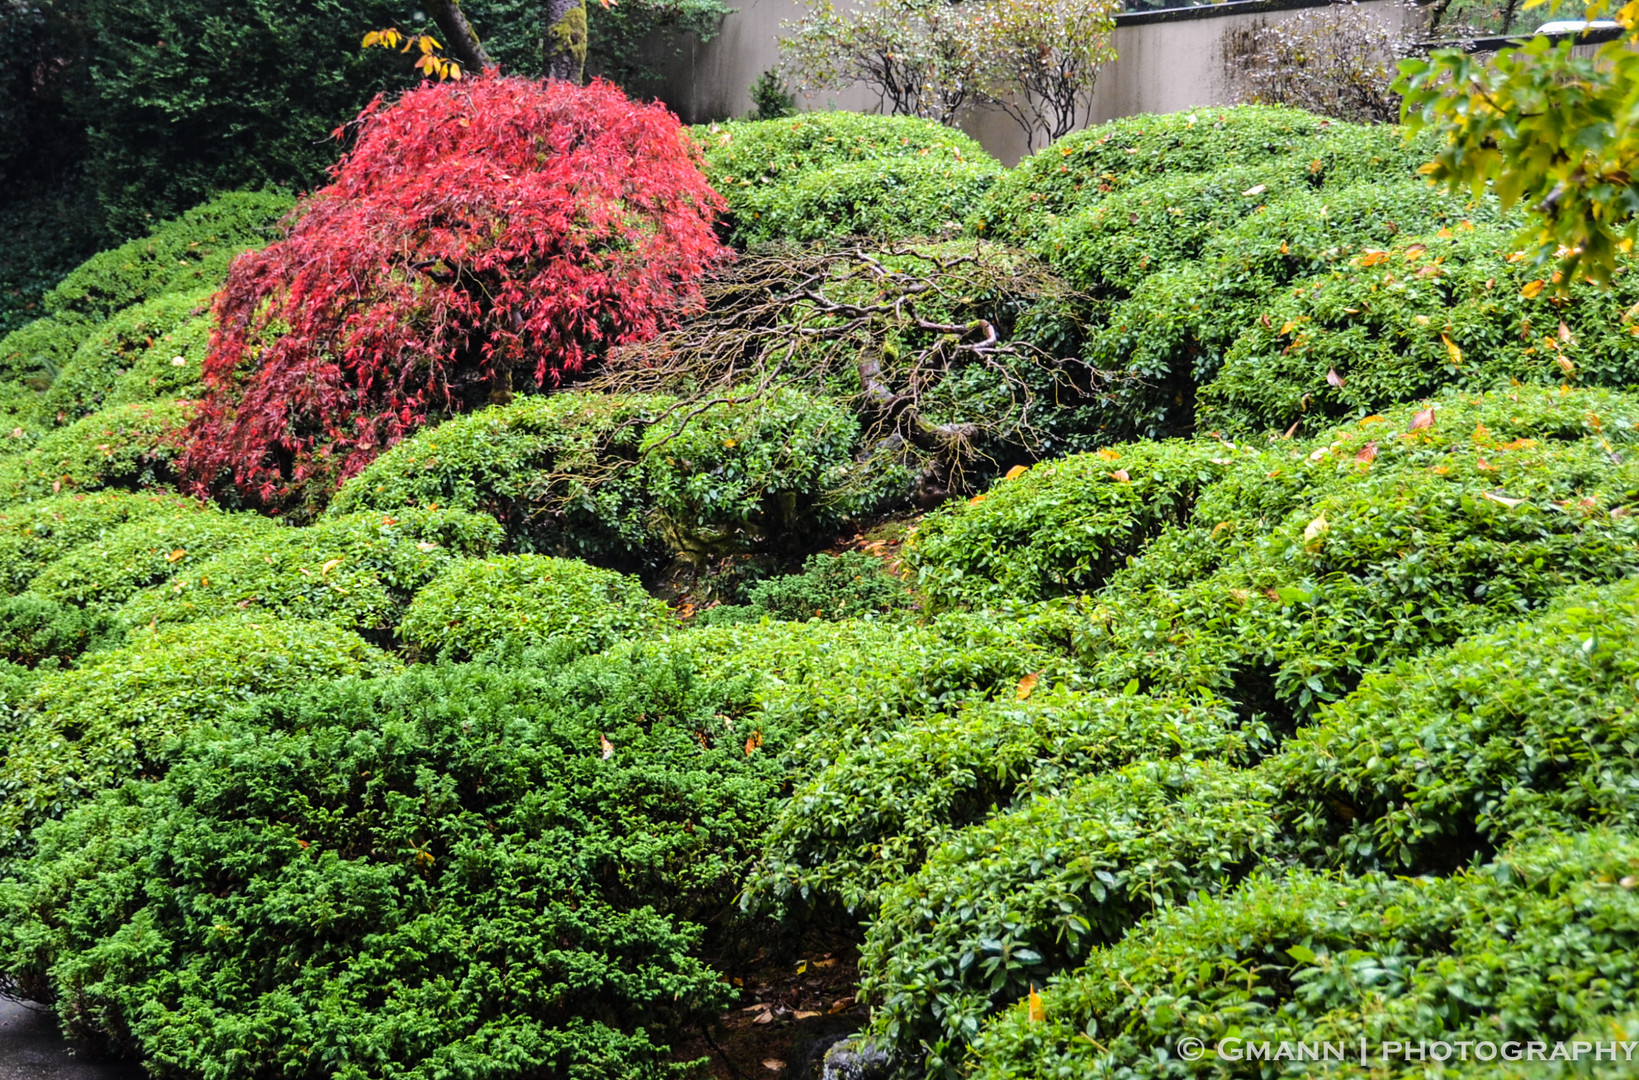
[{"x": 1166, "y": 61}]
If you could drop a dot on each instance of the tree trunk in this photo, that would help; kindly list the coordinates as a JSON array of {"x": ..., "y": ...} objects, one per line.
[
  {"x": 458, "y": 32},
  {"x": 564, "y": 43}
]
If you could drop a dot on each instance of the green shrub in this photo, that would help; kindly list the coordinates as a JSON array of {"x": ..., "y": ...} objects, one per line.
[
  {"x": 36, "y": 351},
  {"x": 1030, "y": 893},
  {"x": 34, "y": 629},
  {"x": 847, "y": 586},
  {"x": 1310, "y": 563},
  {"x": 357, "y": 570},
  {"x": 1432, "y": 311},
  {"x": 114, "y": 350},
  {"x": 116, "y": 717},
  {"x": 884, "y": 199},
  {"x": 1061, "y": 527},
  {"x": 36, "y": 534},
  {"x": 107, "y": 571},
  {"x": 182, "y": 255},
  {"x": 757, "y": 165},
  {"x": 1529, "y": 727},
  {"x": 440, "y": 874},
  {"x": 477, "y": 603},
  {"x": 1534, "y": 947},
  {"x": 128, "y": 446},
  {"x": 867, "y": 820},
  {"x": 539, "y": 466},
  {"x": 773, "y": 473},
  {"x": 1084, "y": 167}
]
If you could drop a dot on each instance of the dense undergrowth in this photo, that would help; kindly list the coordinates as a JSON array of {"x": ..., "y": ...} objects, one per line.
[{"x": 1267, "y": 669}]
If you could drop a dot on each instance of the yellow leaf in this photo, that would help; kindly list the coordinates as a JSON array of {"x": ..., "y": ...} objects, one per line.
[
  {"x": 329, "y": 566},
  {"x": 1452, "y": 350},
  {"x": 1027, "y": 685},
  {"x": 1531, "y": 289},
  {"x": 370, "y": 39},
  {"x": 1316, "y": 529},
  {"x": 1016, "y": 471},
  {"x": 1288, "y": 328},
  {"x": 1038, "y": 1011},
  {"x": 1372, "y": 256},
  {"x": 176, "y": 555},
  {"x": 1566, "y": 366},
  {"x": 1108, "y": 455}
]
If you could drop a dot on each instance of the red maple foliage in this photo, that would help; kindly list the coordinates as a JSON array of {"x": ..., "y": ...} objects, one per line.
[{"x": 481, "y": 237}]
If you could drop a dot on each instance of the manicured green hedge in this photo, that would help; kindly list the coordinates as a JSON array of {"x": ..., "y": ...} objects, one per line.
[
  {"x": 462, "y": 871},
  {"x": 1312, "y": 562},
  {"x": 115, "y": 349},
  {"x": 36, "y": 534},
  {"x": 1032, "y": 892},
  {"x": 1538, "y": 946},
  {"x": 107, "y": 571},
  {"x": 357, "y": 570},
  {"x": 1063, "y": 526},
  {"x": 866, "y": 821},
  {"x": 477, "y": 603},
  {"x": 894, "y": 166},
  {"x": 34, "y": 629},
  {"x": 116, "y": 717},
  {"x": 1531, "y": 727},
  {"x": 539, "y": 466},
  {"x": 852, "y": 585},
  {"x": 127, "y": 446}
]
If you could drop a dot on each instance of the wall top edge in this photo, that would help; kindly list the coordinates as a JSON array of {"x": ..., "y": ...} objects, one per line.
[{"x": 1227, "y": 8}]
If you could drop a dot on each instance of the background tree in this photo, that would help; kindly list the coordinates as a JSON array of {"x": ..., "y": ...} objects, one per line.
[
  {"x": 1542, "y": 126},
  {"x": 1040, "y": 59},
  {"x": 1337, "y": 61}
]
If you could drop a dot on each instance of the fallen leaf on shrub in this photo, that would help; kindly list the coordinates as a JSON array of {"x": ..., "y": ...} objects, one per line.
[
  {"x": 1038, "y": 1012},
  {"x": 1415, "y": 250},
  {"x": 1028, "y": 684},
  {"x": 1564, "y": 333},
  {"x": 1316, "y": 529},
  {"x": 329, "y": 565},
  {"x": 1291, "y": 429},
  {"x": 755, "y": 741},
  {"x": 1452, "y": 350},
  {"x": 176, "y": 555},
  {"x": 1566, "y": 366},
  {"x": 1629, "y": 882},
  {"x": 1108, "y": 455},
  {"x": 1256, "y": 189},
  {"x": 1485, "y": 466},
  {"x": 1372, "y": 256},
  {"x": 1503, "y": 499},
  {"x": 1424, "y": 419},
  {"x": 1374, "y": 418},
  {"x": 608, "y": 747},
  {"x": 1120, "y": 476},
  {"x": 426, "y": 545},
  {"x": 1287, "y": 328},
  {"x": 1016, "y": 471},
  {"x": 1531, "y": 288},
  {"x": 1368, "y": 453},
  {"x": 976, "y": 500},
  {"x": 1334, "y": 378}
]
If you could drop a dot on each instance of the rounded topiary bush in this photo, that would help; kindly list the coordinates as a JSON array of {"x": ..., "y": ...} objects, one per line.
[
  {"x": 443, "y": 873},
  {"x": 34, "y": 629},
  {"x": 114, "y": 350},
  {"x": 536, "y": 599},
  {"x": 108, "y": 570},
  {"x": 767, "y": 169},
  {"x": 357, "y": 570},
  {"x": 35, "y": 534},
  {"x": 127, "y": 446},
  {"x": 117, "y": 716},
  {"x": 557, "y": 472},
  {"x": 1061, "y": 527}
]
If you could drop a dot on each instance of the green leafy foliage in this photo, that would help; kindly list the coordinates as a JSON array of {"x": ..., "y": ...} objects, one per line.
[
  {"x": 1530, "y": 727},
  {"x": 557, "y": 472},
  {"x": 128, "y": 446},
  {"x": 116, "y": 717},
  {"x": 35, "y": 534},
  {"x": 475, "y": 604},
  {"x": 34, "y": 629},
  {"x": 1535, "y": 946},
  {"x": 107, "y": 571},
  {"x": 358, "y": 570},
  {"x": 866, "y": 821},
  {"x": 1061, "y": 527},
  {"x": 114, "y": 350},
  {"x": 852, "y": 585},
  {"x": 371, "y": 867},
  {"x": 767, "y": 169},
  {"x": 1033, "y": 891}
]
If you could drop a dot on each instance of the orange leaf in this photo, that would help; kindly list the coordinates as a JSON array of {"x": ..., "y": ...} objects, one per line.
[
  {"x": 176, "y": 555},
  {"x": 1028, "y": 684},
  {"x": 1368, "y": 453},
  {"x": 1038, "y": 1012},
  {"x": 755, "y": 741},
  {"x": 1016, "y": 471},
  {"x": 1371, "y": 257},
  {"x": 1531, "y": 289}
]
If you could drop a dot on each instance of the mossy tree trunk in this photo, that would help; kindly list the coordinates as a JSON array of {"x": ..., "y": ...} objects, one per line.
[{"x": 564, "y": 45}]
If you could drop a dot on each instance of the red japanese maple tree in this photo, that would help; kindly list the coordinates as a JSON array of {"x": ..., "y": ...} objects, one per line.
[{"x": 481, "y": 237}]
